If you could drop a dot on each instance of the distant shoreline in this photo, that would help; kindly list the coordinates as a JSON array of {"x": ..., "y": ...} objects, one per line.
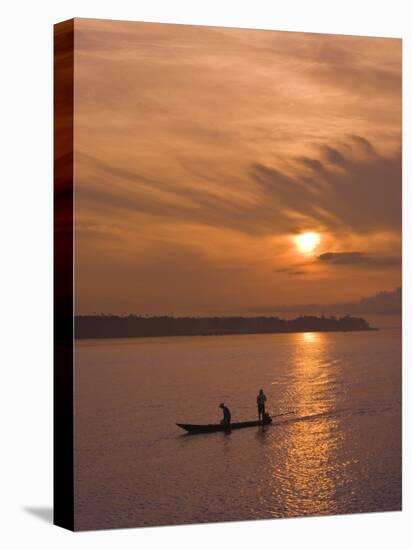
[
  {"x": 372, "y": 329},
  {"x": 111, "y": 326}
]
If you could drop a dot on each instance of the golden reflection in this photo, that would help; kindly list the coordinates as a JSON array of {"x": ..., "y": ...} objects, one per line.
[
  {"x": 310, "y": 336},
  {"x": 310, "y": 471}
]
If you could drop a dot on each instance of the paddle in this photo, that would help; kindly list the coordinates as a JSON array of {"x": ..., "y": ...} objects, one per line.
[{"x": 283, "y": 414}]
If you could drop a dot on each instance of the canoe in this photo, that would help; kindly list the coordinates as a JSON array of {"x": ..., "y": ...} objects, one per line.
[{"x": 209, "y": 428}]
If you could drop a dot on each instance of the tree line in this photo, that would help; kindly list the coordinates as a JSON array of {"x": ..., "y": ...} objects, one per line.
[{"x": 115, "y": 326}]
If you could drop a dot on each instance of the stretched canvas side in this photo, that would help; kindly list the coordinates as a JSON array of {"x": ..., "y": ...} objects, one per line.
[{"x": 63, "y": 275}]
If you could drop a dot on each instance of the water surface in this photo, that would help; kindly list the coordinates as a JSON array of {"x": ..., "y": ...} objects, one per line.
[{"x": 339, "y": 453}]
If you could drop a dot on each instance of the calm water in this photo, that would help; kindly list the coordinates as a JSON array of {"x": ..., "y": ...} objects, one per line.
[{"x": 340, "y": 452}]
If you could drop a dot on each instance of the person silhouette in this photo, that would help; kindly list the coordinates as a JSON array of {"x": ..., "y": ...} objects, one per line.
[
  {"x": 226, "y": 414},
  {"x": 261, "y": 400}
]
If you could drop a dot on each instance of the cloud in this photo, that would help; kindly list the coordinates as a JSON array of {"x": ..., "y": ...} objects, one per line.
[
  {"x": 208, "y": 147},
  {"x": 364, "y": 143},
  {"x": 381, "y": 303},
  {"x": 333, "y": 155},
  {"x": 361, "y": 259},
  {"x": 313, "y": 164},
  {"x": 385, "y": 302},
  {"x": 364, "y": 195},
  {"x": 292, "y": 271},
  {"x": 240, "y": 106}
]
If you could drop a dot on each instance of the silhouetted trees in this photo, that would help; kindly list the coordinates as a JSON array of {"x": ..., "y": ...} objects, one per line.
[{"x": 113, "y": 326}]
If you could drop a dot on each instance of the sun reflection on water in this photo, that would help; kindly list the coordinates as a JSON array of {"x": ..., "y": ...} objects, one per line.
[
  {"x": 309, "y": 468},
  {"x": 310, "y": 337}
]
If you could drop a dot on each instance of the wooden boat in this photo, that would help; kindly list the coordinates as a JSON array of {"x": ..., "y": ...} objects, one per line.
[{"x": 209, "y": 428}]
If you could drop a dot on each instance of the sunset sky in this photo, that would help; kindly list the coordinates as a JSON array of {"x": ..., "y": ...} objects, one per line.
[{"x": 202, "y": 155}]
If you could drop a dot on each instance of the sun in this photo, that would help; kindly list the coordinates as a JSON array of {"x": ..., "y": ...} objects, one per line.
[{"x": 307, "y": 242}]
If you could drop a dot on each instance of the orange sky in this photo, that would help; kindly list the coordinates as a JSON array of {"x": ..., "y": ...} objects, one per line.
[{"x": 201, "y": 152}]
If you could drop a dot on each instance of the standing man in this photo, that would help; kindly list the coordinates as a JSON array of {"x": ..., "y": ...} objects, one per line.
[
  {"x": 261, "y": 400},
  {"x": 226, "y": 414}
]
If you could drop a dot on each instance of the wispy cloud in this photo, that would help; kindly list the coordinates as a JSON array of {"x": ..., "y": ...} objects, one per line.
[
  {"x": 200, "y": 151},
  {"x": 360, "y": 259}
]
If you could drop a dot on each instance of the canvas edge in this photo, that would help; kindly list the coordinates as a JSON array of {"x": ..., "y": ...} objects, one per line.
[{"x": 63, "y": 355}]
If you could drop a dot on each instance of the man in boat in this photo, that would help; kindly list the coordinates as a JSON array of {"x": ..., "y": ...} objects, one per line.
[
  {"x": 226, "y": 414},
  {"x": 261, "y": 400}
]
